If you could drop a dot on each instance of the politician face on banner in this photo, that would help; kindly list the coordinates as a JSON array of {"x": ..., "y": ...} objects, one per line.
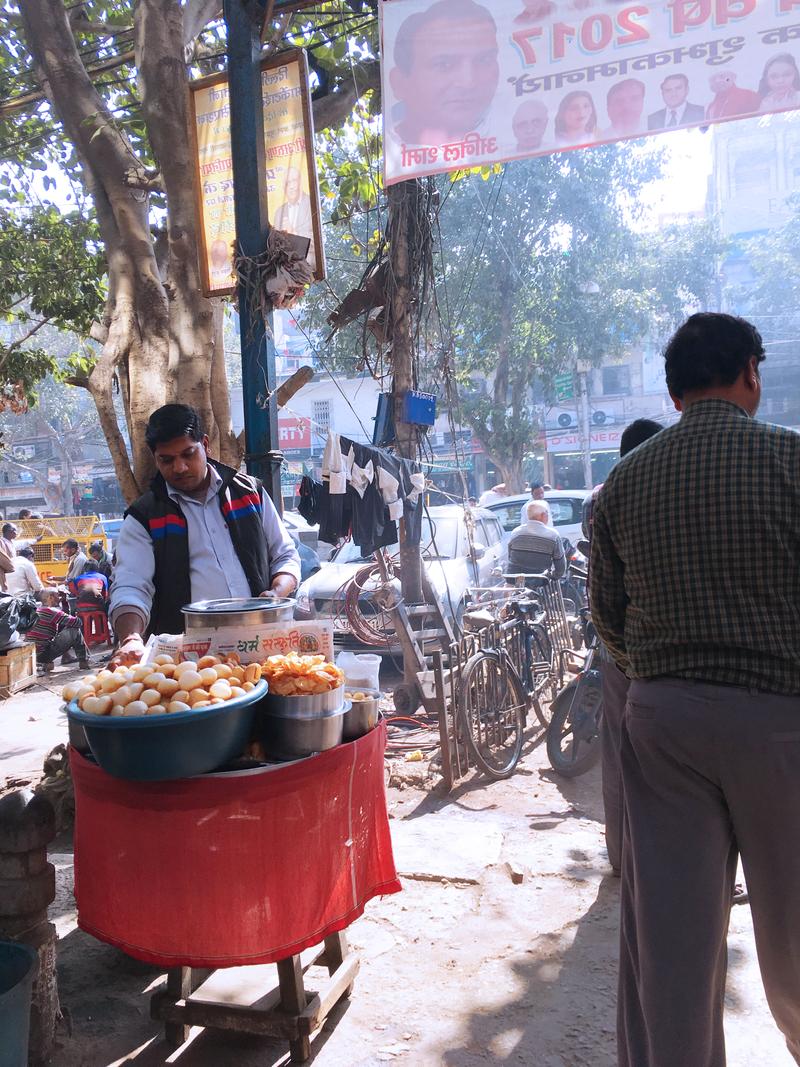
[{"x": 445, "y": 72}]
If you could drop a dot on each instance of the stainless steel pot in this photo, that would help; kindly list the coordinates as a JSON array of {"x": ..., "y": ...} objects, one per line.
[
  {"x": 290, "y": 737},
  {"x": 308, "y": 706},
  {"x": 219, "y": 614}
]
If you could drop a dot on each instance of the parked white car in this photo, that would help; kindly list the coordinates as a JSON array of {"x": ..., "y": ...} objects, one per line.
[{"x": 446, "y": 555}]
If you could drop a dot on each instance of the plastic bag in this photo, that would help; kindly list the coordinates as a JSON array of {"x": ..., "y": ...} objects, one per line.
[
  {"x": 27, "y": 612},
  {"x": 9, "y": 618},
  {"x": 360, "y": 670}
]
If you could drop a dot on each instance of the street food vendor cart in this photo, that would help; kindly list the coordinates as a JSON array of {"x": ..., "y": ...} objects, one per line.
[{"x": 215, "y": 875}]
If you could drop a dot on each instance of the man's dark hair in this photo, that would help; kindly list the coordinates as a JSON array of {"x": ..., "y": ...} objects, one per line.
[
  {"x": 95, "y": 546},
  {"x": 25, "y": 513},
  {"x": 639, "y": 430},
  {"x": 676, "y": 77},
  {"x": 171, "y": 421},
  {"x": 710, "y": 349},
  {"x": 27, "y": 552},
  {"x": 8, "y": 530},
  {"x": 444, "y": 10},
  {"x": 70, "y": 543},
  {"x": 536, "y": 485}
]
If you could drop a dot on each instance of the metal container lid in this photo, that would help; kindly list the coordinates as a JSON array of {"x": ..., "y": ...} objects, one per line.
[{"x": 226, "y": 607}]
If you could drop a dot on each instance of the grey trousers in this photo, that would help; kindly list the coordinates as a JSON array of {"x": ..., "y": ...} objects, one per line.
[
  {"x": 615, "y": 694},
  {"x": 708, "y": 772},
  {"x": 66, "y": 640}
]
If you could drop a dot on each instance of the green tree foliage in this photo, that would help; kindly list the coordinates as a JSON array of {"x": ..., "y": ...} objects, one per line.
[
  {"x": 767, "y": 291},
  {"x": 53, "y": 270},
  {"x": 93, "y": 109},
  {"x": 544, "y": 268}
]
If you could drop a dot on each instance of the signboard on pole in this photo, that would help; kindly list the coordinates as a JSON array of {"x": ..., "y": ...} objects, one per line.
[
  {"x": 292, "y": 192},
  {"x": 563, "y": 387},
  {"x": 467, "y": 83},
  {"x": 294, "y": 433}
]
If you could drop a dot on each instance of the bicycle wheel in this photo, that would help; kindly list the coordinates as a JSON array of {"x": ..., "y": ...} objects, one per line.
[
  {"x": 492, "y": 708},
  {"x": 573, "y": 736},
  {"x": 540, "y": 666}
]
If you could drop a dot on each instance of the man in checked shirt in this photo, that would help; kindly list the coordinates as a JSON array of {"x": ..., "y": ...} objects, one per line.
[{"x": 702, "y": 612}]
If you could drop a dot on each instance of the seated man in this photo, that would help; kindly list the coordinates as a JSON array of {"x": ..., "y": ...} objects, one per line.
[
  {"x": 535, "y": 547},
  {"x": 24, "y": 578},
  {"x": 55, "y": 633}
]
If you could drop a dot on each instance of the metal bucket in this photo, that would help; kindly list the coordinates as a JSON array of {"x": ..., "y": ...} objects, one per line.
[
  {"x": 253, "y": 611},
  {"x": 18, "y": 964}
]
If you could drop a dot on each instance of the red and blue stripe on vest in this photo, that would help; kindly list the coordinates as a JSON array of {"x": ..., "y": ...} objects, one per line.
[
  {"x": 247, "y": 504},
  {"x": 167, "y": 524}
]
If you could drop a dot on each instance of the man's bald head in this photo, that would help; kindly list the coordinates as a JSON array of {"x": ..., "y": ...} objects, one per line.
[
  {"x": 537, "y": 511},
  {"x": 529, "y": 125}
]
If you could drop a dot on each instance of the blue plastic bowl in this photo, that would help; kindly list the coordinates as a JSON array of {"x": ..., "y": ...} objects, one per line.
[{"x": 156, "y": 748}]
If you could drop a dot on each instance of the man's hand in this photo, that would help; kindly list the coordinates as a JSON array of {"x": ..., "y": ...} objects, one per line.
[
  {"x": 129, "y": 652},
  {"x": 128, "y": 626},
  {"x": 283, "y": 585}
]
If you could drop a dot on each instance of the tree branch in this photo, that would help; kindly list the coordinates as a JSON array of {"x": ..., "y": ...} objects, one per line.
[
  {"x": 333, "y": 109},
  {"x": 21, "y": 341}
]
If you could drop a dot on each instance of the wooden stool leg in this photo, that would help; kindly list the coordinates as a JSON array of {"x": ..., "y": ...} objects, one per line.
[
  {"x": 181, "y": 983},
  {"x": 293, "y": 1001},
  {"x": 336, "y": 950}
]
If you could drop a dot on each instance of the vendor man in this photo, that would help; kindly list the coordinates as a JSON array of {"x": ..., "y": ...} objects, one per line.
[{"x": 201, "y": 532}]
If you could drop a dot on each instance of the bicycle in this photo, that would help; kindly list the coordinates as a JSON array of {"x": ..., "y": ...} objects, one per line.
[
  {"x": 491, "y": 708},
  {"x": 573, "y": 736}
]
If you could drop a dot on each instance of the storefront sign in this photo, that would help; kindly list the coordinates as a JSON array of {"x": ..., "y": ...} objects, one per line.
[
  {"x": 602, "y": 441},
  {"x": 291, "y": 190},
  {"x": 294, "y": 432},
  {"x": 468, "y": 83}
]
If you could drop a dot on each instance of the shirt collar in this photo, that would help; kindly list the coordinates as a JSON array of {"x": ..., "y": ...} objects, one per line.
[
  {"x": 213, "y": 488},
  {"x": 701, "y": 408}
]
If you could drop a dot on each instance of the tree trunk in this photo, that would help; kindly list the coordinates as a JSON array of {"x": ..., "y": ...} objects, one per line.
[
  {"x": 159, "y": 330},
  {"x": 68, "y": 504}
]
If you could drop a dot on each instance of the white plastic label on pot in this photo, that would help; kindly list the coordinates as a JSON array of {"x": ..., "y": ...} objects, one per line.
[
  {"x": 361, "y": 670},
  {"x": 252, "y": 644}
]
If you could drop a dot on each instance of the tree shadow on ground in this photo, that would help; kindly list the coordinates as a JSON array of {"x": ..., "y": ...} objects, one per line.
[{"x": 563, "y": 1014}]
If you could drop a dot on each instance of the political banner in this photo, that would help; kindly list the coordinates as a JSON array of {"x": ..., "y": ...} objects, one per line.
[
  {"x": 468, "y": 83},
  {"x": 291, "y": 191}
]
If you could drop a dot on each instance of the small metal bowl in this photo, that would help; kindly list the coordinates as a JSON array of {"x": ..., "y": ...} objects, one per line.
[{"x": 362, "y": 717}]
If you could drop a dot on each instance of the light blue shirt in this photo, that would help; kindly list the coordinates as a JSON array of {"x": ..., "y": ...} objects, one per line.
[{"x": 214, "y": 568}]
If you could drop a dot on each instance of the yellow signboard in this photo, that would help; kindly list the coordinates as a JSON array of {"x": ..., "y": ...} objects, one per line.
[{"x": 292, "y": 193}]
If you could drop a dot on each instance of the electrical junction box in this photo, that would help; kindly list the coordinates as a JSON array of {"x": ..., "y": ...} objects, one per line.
[{"x": 419, "y": 408}]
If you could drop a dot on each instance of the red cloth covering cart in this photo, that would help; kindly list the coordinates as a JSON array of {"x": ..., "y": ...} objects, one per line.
[{"x": 223, "y": 870}]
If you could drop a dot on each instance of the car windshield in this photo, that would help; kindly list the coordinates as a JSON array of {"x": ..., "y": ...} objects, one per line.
[{"x": 439, "y": 541}]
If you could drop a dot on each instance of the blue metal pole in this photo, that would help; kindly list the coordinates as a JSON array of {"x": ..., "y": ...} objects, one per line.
[{"x": 262, "y": 455}]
